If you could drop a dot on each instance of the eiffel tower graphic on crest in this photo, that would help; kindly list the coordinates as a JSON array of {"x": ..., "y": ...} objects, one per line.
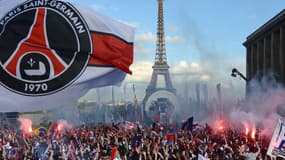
[{"x": 160, "y": 68}]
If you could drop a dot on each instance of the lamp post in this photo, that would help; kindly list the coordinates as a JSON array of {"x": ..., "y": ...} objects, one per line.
[{"x": 235, "y": 72}]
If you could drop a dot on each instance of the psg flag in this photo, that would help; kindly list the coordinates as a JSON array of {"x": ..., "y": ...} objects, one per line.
[
  {"x": 276, "y": 147},
  {"x": 52, "y": 52}
]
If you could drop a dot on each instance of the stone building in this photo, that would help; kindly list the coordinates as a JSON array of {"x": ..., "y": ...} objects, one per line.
[{"x": 265, "y": 49}]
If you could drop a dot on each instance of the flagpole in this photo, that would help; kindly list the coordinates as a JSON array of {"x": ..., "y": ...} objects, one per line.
[
  {"x": 135, "y": 102},
  {"x": 125, "y": 91},
  {"x": 98, "y": 99},
  {"x": 113, "y": 101}
]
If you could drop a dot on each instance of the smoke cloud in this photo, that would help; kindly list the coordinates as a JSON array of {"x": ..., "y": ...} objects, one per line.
[
  {"x": 263, "y": 106},
  {"x": 260, "y": 110}
]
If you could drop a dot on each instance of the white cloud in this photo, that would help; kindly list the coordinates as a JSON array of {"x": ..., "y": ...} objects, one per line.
[
  {"x": 146, "y": 37},
  {"x": 150, "y": 37},
  {"x": 191, "y": 73},
  {"x": 187, "y": 71},
  {"x": 175, "y": 40},
  {"x": 184, "y": 67},
  {"x": 132, "y": 24},
  {"x": 195, "y": 66},
  {"x": 140, "y": 48},
  {"x": 142, "y": 71},
  {"x": 204, "y": 77}
]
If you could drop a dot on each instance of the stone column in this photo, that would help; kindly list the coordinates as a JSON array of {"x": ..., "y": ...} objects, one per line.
[
  {"x": 248, "y": 62},
  {"x": 261, "y": 55},
  {"x": 281, "y": 56},
  {"x": 264, "y": 55},
  {"x": 248, "y": 67},
  {"x": 258, "y": 52},
  {"x": 268, "y": 56},
  {"x": 276, "y": 47},
  {"x": 272, "y": 56},
  {"x": 253, "y": 60}
]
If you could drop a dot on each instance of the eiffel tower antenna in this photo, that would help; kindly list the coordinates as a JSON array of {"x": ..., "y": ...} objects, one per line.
[{"x": 160, "y": 56}]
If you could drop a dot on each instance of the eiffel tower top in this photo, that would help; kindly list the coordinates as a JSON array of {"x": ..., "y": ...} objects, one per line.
[{"x": 160, "y": 56}]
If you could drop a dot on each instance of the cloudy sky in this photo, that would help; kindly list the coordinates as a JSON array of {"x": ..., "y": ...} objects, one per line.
[{"x": 203, "y": 40}]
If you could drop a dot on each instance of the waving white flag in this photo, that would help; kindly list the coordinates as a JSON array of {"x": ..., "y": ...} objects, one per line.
[
  {"x": 277, "y": 144},
  {"x": 53, "y": 52}
]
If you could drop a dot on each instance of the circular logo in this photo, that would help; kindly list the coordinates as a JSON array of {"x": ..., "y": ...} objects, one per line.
[{"x": 44, "y": 46}]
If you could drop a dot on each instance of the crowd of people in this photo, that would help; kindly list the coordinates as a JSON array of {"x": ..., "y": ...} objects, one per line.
[{"x": 129, "y": 141}]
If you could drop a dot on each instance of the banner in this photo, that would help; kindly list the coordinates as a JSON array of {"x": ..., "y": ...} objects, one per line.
[
  {"x": 53, "y": 52},
  {"x": 277, "y": 144}
]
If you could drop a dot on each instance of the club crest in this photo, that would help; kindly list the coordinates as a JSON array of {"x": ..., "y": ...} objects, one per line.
[{"x": 45, "y": 46}]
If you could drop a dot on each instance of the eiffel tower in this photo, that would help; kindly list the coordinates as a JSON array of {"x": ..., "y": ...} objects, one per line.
[{"x": 160, "y": 67}]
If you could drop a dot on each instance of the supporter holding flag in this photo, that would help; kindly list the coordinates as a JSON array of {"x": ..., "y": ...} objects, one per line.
[
  {"x": 41, "y": 132},
  {"x": 188, "y": 124},
  {"x": 171, "y": 134},
  {"x": 71, "y": 151}
]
